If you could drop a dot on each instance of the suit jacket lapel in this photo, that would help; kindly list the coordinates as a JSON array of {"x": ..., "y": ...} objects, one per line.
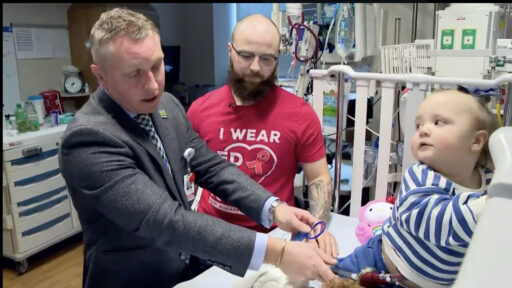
[{"x": 140, "y": 136}]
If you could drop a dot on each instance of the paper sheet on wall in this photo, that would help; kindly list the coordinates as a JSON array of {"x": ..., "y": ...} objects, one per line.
[
  {"x": 11, "y": 86},
  {"x": 41, "y": 42}
]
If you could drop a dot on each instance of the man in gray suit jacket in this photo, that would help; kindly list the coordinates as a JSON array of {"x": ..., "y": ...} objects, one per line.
[{"x": 127, "y": 180}]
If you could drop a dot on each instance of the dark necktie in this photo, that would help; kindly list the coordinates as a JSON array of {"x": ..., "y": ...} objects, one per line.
[{"x": 145, "y": 123}]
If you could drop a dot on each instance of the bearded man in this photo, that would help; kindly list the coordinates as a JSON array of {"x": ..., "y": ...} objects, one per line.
[{"x": 263, "y": 129}]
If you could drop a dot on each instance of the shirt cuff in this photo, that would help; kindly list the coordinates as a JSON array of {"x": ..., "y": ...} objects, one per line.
[
  {"x": 264, "y": 216},
  {"x": 258, "y": 254}
]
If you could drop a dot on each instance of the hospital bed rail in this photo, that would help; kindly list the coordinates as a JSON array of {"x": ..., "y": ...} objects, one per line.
[
  {"x": 417, "y": 85},
  {"x": 487, "y": 262}
]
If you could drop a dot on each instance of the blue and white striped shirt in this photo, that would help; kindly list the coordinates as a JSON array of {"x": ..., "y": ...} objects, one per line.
[{"x": 431, "y": 225}]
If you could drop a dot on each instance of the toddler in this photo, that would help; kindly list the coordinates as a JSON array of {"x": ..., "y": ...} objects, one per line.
[{"x": 440, "y": 197}]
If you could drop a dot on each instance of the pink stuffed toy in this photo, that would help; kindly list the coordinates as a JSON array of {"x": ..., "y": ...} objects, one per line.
[{"x": 371, "y": 217}]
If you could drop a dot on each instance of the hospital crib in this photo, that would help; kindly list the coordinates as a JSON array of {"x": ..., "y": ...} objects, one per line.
[{"x": 490, "y": 251}]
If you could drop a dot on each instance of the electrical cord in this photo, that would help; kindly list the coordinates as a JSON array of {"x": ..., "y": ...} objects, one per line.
[
  {"x": 498, "y": 113},
  {"x": 369, "y": 129},
  {"x": 318, "y": 59},
  {"x": 376, "y": 101},
  {"x": 398, "y": 119},
  {"x": 366, "y": 181},
  {"x": 296, "y": 27}
]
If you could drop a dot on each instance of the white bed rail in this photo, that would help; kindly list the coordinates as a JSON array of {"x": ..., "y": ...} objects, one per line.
[
  {"x": 487, "y": 261},
  {"x": 416, "y": 83}
]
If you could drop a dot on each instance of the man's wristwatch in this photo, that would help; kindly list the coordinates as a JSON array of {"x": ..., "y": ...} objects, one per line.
[{"x": 272, "y": 209}]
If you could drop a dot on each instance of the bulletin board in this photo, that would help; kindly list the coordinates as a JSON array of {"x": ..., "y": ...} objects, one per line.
[{"x": 41, "y": 42}]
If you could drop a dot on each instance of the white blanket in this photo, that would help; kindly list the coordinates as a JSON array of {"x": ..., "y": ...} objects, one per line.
[{"x": 342, "y": 227}]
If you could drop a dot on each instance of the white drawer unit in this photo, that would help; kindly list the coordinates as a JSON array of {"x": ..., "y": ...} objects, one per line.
[{"x": 37, "y": 209}]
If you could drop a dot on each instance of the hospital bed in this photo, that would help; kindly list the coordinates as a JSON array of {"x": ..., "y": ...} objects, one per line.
[
  {"x": 488, "y": 258},
  {"x": 342, "y": 227}
]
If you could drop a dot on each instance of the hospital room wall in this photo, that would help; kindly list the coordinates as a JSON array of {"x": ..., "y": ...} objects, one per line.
[
  {"x": 187, "y": 25},
  {"x": 404, "y": 12},
  {"x": 223, "y": 23},
  {"x": 37, "y": 75},
  {"x": 191, "y": 27}
]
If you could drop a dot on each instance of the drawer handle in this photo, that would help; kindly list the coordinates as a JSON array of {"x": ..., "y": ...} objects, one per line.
[
  {"x": 42, "y": 197},
  {"x": 31, "y": 151},
  {"x": 44, "y": 206},
  {"x": 37, "y": 178},
  {"x": 34, "y": 158},
  {"x": 45, "y": 226}
]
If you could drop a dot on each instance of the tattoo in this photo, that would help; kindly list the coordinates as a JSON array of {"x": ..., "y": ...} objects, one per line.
[{"x": 320, "y": 199}]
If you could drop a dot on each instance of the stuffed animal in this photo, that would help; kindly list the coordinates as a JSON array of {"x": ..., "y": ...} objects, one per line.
[
  {"x": 341, "y": 283},
  {"x": 371, "y": 217},
  {"x": 268, "y": 276}
]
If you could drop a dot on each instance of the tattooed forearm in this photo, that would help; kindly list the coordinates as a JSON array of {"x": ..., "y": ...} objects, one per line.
[{"x": 320, "y": 198}]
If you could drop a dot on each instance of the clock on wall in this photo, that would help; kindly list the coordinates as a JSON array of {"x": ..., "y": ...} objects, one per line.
[{"x": 71, "y": 81}]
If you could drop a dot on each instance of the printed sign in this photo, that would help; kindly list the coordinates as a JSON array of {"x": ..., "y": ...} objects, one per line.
[
  {"x": 468, "y": 39},
  {"x": 447, "y": 36}
]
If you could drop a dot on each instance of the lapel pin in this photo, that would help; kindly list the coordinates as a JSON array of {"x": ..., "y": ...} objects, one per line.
[{"x": 163, "y": 114}]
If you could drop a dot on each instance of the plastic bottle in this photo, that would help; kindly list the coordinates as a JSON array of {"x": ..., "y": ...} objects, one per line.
[
  {"x": 32, "y": 118},
  {"x": 21, "y": 118},
  {"x": 38, "y": 102}
]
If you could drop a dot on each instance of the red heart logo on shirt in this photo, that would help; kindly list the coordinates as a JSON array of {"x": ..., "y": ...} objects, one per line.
[{"x": 257, "y": 161}]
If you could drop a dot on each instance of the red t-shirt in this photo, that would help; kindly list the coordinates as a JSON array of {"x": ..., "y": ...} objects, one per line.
[{"x": 266, "y": 140}]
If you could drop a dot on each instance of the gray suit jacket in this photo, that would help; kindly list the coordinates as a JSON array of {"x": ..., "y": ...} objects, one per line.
[{"x": 137, "y": 224}]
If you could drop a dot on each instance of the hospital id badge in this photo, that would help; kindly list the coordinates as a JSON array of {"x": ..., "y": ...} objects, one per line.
[{"x": 188, "y": 185}]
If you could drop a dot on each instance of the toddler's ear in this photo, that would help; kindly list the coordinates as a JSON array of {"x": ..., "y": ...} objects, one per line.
[{"x": 479, "y": 140}]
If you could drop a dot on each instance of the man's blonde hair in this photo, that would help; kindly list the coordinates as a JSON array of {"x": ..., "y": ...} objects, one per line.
[{"x": 118, "y": 22}]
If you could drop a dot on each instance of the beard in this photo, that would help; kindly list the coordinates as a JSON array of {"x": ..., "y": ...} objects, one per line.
[{"x": 246, "y": 88}]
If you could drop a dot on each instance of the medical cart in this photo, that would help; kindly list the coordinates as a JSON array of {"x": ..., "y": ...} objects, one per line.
[{"x": 37, "y": 209}]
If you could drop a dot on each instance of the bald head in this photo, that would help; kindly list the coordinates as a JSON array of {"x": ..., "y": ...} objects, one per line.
[{"x": 256, "y": 24}]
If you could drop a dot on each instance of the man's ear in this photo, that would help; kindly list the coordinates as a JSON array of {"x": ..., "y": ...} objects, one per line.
[
  {"x": 479, "y": 140},
  {"x": 229, "y": 49},
  {"x": 99, "y": 73}
]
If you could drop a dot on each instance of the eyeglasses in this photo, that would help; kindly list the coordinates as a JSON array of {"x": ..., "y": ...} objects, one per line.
[{"x": 248, "y": 57}]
